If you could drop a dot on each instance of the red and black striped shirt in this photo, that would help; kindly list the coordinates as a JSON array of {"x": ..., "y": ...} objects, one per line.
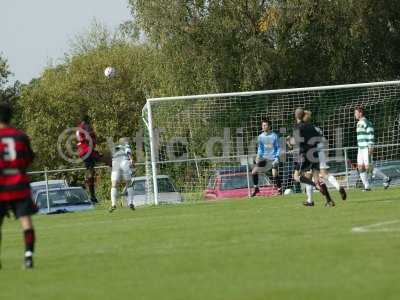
[
  {"x": 16, "y": 156},
  {"x": 86, "y": 137}
]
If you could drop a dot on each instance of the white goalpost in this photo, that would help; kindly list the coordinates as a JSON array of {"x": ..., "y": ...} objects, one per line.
[{"x": 207, "y": 143}]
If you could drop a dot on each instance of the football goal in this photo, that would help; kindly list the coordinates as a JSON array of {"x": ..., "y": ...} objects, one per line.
[{"x": 206, "y": 144}]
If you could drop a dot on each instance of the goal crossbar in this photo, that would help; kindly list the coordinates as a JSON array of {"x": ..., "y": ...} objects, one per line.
[{"x": 278, "y": 91}]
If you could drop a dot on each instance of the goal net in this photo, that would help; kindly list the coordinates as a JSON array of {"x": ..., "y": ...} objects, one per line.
[{"x": 206, "y": 144}]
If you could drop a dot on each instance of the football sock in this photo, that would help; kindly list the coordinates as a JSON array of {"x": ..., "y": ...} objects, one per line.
[
  {"x": 332, "y": 180},
  {"x": 277, "y": 181},
  {"x": 92, "y": 191},
  {"x": 29, "y": 238},
  {"x": 130, "y": 195},
  {"x": 255, "y": 179},
  {"x": 90, "y": 185},
  {"x": 309, "y": 192},
  {"x": 322, "y": 187},
  {"x": 364, "y": 179},
  {"x": 114, "y": 193}
]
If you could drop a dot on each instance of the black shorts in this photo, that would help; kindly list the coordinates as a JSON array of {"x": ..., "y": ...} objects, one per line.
[
  {"x": 91, "y": 160},
  {"x": 304, "y": 164},
  {"x": 270, "y": 164},
  {"x": 20, "y": 208}
]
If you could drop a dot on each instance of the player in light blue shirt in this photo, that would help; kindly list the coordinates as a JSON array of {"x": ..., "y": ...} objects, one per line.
[{"x": 268, "y": 151}]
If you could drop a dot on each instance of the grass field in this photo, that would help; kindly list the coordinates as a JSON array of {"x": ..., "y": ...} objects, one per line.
[{"x": 265, "y": 248}]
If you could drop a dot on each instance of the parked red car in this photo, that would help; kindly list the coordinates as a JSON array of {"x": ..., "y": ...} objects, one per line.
[{"x": 233, "y": 183}]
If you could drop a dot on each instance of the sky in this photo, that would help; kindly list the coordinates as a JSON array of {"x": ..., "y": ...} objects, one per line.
[{"x": 34, "y": 33}]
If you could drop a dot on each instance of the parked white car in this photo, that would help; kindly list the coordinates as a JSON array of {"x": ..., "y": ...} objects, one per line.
[
  {"x": 67, "y": 199},
  {"x": 61, "y": 197},
  {"x": 52, "y": 184},
  {"x": 390, "y": 168},
  {"x": 167, "y": 192}
]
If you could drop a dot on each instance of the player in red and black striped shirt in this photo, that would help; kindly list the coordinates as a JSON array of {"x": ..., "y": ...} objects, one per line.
[
  {"x": 86, "y": 137},
  {"x": 16, "y": 156}
]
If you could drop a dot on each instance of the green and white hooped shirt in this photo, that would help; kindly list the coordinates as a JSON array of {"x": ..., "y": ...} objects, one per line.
[{"x": 365, "y": 133}]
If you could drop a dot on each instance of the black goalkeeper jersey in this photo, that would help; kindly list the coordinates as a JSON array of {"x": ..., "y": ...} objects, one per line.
[{"x": 306, "y": 136}]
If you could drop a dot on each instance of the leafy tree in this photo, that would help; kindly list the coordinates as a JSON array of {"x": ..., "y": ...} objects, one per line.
[
  {"x": 54, "y": 102},
  {"x": 237, "y": 45},
  {"x": 4, "y": 71},
  {"x": 9, "y": 93}
]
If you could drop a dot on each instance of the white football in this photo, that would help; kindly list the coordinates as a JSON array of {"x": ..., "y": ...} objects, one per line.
[
  {"x": 288, "y": 192},
  {"x": 109, "y": 72}
]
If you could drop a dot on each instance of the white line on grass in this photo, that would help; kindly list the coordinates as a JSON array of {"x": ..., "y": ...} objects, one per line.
[{"x": 377, "y": 227}]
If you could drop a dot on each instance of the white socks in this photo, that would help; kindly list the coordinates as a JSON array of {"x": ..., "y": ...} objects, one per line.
[
  {"x": 130, "y": 195},
  {"x": 114, "y": 193},
  {"x": 28, "y": 253},
  {"x": 364, "y": 179},
  {"x": 309, "y": 192},
  {"x": 332, "y": 180}
]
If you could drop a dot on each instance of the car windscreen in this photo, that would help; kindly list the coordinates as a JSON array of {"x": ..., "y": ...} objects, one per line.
[
  {"x": 62, "y": 198},
  {"x": 239, "y": 181},
  {"x": 164, "y": 186},
  {"x": 139, "y": 187},
  {"x": 36, "y": 188}
]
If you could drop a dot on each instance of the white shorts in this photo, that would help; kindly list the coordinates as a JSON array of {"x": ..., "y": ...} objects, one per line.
[
  {"x": 322, "y": 159},
  {"x": 363, "y": 158},
  {"x": 121, "y": 168}
]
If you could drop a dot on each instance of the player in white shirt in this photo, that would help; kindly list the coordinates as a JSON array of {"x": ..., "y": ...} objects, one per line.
[{"x": 122, "y": 165}]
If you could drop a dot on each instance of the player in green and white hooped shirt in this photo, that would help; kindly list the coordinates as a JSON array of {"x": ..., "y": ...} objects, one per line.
[
  {"x": 122, "y": 163},
  {"x": 365, "y": 142}
]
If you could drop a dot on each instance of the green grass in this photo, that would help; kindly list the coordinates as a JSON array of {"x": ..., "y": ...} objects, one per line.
[{"x": 271, "y": 248}]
